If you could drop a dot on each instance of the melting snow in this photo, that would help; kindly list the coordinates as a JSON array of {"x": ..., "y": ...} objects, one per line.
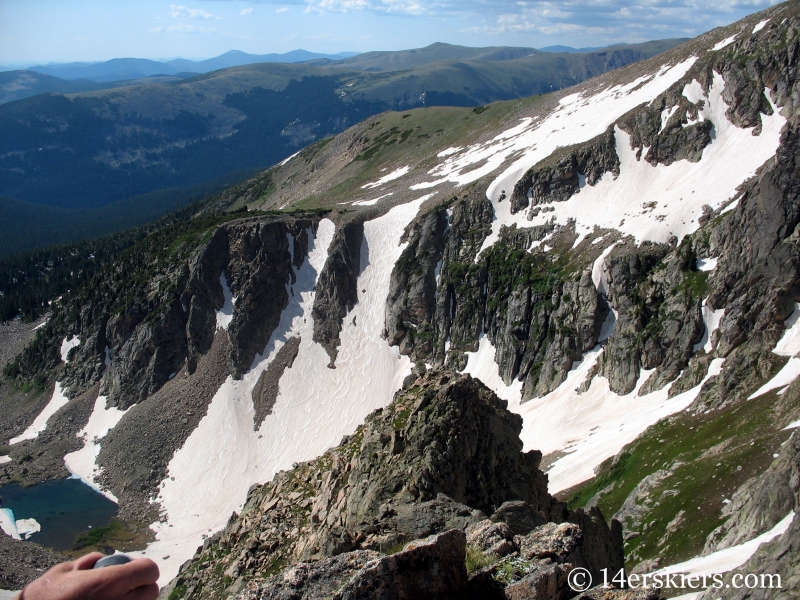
[
  {"x": 225, "y": 314},
  {"x": 67, "y": 345},
  {"x": 794, "y": 425},
  {"x": 728, "y": 559},
  {"x": 711, "y": 321},
  {"x": 17, "y": 529},
  {"x": 372, "y": 202},
  {"x": 679, "y": 190},
  {"x": 706, "y": 264},
  {"x": 315, "y": 407},
  {"x": 590, "y": 427},
  {"x": 5, "y": 459},
  {"x": 726, "y": 42},
  {"x": 784, "y": 377},
  {"x": 286, "y": 160},
  {"x": 579, "y": 118},
  {"x": 599, "y": 277},
  {"x": 39, "y": 424},
  {"x": 789, "y": 345},
  {"x": 760, "y": 26},
  {"x": 387, "y": 178},
  {"x": 82, "y": 463},
  {"x": 481, "y": 365},
  {"x": 449, "y": 151}
]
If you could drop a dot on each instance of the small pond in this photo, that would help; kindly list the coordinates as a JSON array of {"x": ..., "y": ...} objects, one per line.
[{"x": 65, "y": 508}]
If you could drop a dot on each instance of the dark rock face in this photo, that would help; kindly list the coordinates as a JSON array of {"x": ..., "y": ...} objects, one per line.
[
  {"x": 259, "y": 269},
  {"x": 440, "y": 458},
  {"x": 149, "y": 345},
  {"x": 758, "y": 274},
  {"x": 337, "y": 291},
  {"x": 459, "y": 301},
  {"x": 265, "y": 392},
  {"x": 658, "y": 322},
  {"x": 562, "y": 174},
  {"x": 412, "y": 296}
]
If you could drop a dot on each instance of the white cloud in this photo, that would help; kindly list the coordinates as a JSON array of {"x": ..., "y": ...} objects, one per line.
[
  {"x": 182, "y": 28},
  {"x": 626, "y": 19},
  {"x": 177, "y": 12},
  {"x": 282, "y": 10},
  {"x": 247, "y": 11}
]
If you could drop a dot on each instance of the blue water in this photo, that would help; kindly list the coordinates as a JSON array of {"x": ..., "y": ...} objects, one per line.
[{"x": 65, "y": 508}]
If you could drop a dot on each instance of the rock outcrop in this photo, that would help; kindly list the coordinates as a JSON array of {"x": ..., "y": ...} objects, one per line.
[
  {"x": 337, "y": 290},
  {"x": 172, "y": 321},
  {"x": 443, "y": 456}
]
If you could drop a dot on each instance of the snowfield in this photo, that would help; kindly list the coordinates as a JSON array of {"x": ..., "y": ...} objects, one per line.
[
  {"x": 679, "y": 190},
  {"x": 729, "y": 559},
  {"x": 387, "y": 178},
  {"x": 39, "y": 424},
  {"x": 315, "y": 408},
  {"x": 587, "y": 428},
  {"x": 82, "y": 463},
  {"x": 225, "y": 314}
]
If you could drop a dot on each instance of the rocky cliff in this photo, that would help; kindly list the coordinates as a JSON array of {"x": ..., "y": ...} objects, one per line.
[{"x": 443, "y": 459}]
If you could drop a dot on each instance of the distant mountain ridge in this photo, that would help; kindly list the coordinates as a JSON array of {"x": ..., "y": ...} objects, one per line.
[
  {"x": 101, "y": 147},
  {"x": 118, "y": 69}
]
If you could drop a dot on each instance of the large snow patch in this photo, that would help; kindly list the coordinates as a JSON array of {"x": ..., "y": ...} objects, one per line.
[{"x": 39, "y": 424}]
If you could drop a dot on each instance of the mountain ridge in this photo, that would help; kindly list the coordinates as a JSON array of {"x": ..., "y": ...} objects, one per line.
[{"x": 608, "y": 260}]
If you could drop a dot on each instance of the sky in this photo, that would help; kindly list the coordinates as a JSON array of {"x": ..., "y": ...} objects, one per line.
[{"x": 43, "y": 31}]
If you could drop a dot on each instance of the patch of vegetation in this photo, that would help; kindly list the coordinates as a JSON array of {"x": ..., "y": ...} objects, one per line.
[
  {"x": 401, "y": 419},
  {"x": 100, "y": 536},
  {"x": 707, "y": 457},
  {"x": 178, "y": 592},
  {"x": 476, "y": 559}
]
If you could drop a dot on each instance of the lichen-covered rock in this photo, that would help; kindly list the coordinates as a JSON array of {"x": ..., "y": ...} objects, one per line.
[
  {"x": 319, "y": 580},
  {"x": 491, "y": 538},
  {"x": 432, "y": 568}
]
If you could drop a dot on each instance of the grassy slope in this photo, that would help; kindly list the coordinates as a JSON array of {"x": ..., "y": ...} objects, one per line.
[{"x": 710, "y": 455}]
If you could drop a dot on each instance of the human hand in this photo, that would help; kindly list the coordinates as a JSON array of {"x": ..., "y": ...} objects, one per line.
[{"x": 77, "y": 580}]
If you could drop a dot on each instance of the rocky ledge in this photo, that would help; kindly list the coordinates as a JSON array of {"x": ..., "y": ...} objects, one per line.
[{"x": 432, "y": 497}]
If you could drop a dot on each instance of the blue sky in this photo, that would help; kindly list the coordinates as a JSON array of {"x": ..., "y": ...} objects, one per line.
[{"x": 40, "y": 31}]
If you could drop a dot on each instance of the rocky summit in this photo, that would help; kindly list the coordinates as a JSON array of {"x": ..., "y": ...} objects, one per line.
[
  {"x": 431, "y": 497},
  {"x": 453, "y": 352}
]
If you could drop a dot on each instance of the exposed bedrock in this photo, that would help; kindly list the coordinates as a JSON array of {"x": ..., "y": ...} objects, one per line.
[
  {"x": 445, "y": 454},
  {"x": 411, "y": 303},
  {"x": 564, "y": 172},
  {"x": 757, "y": 279},
  {"x": 173, "y": 324},
  {"x": 762, "y": 502},
  {"x": 337, "y": 286}
]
